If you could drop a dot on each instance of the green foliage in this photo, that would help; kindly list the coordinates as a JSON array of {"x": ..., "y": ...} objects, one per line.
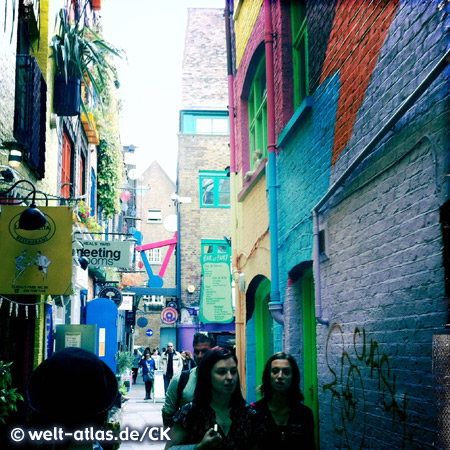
[
  {"x": 124, "y": 361},
  {"x": 85, "y": 218},
  {"x": 109, "y": 173},
  {"x": 8, "y": 396},
  {"x": 79, "y": 52}
]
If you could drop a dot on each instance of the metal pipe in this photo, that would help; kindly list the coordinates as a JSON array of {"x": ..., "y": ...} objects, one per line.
[
  {"x": 398, "y": 114},
  {"x": 275, "y": 304}
]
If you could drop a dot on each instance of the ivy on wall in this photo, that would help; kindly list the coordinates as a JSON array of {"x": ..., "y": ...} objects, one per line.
[{"x": 109, "y": 173}]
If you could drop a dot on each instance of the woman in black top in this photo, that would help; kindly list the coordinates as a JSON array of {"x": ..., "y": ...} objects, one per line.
[
  {"x": 218, "y": 417},
  {"x": 288, "y": 422}
]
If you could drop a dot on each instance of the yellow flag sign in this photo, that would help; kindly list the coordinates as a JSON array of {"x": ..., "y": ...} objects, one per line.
[{"x": 36, "y": 261}]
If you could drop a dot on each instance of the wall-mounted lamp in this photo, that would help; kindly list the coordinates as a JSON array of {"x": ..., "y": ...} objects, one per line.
[
  {"x": 15, "y": 156},
  {"x": 83, "y": 262},
  {"x": 31, "y": 218}
]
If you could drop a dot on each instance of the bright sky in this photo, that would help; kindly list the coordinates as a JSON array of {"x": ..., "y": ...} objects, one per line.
[{"x": 152, "y": 33}]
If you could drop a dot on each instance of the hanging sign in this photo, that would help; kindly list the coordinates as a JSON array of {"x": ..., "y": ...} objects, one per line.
[
  {"x": 106, "y": 253},
  {"x": 169, "y": 315},
  {"x": 36, "y": 261},
  {"x": 216, "y": 301}
]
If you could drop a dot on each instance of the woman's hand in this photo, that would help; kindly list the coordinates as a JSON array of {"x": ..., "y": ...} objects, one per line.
[{"x": 211, "y": 440}]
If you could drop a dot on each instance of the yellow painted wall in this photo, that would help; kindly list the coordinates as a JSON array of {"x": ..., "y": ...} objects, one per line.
[
  {"x": 244, "y": 23},
  {"x": 40, "y": 49}
]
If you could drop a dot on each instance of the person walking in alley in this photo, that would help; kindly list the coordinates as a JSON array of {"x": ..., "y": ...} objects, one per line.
[
  {"x": 218, "y": 417},
  {"x": 171, "y": 364},
  {"x": 156, "y": 357},
  {"x": 148, "y": 374},
  {"x": 289, "y": 423},
  {"x": 182, "y": 387}
]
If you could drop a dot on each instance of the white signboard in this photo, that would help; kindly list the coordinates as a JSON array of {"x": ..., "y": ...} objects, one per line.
[
  {"x": 106, "y": 253},
  {"x": 127, "y": 303},
  {"x": 158, "y": 385}
]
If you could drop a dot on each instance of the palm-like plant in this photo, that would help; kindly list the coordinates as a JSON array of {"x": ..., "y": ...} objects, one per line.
[{"x": 80, "y": 53}]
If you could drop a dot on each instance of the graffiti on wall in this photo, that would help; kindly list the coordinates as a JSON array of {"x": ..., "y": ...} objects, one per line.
[{"x": 350, "y": 388}]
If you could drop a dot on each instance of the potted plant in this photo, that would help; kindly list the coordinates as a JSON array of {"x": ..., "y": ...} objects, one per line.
[
  {"x": 79, "y": 53},
  {"x": 8, "y": 396}
]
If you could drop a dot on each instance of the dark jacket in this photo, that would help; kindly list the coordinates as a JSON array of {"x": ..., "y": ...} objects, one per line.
[
  {"x": 144, "y": 365},
  {"x": 298, "y": 433}
]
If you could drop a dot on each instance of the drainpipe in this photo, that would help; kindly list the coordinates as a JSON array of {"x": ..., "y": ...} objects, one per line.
[
  {"x": 398, "y": 114},
  {"x": 275, "y": 304},
  {"x": 239, "y": 319}
]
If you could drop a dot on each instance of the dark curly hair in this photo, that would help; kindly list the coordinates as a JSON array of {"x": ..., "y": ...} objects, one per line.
[
  {"x": 202, "y": 394},
  {"x": 266, "y": 390}
]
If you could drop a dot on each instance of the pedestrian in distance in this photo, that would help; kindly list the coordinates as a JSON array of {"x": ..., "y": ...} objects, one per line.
[
  {"x": 289, "y": 423},
  {"x": 218, "y": 417},
  {"x": 73, "y": 389},
  {"x": 171, "y": 364},
  {"x": 136, "y": 361},
  {"x": 188, "y": 360},
  {"x": 182, "y": 387},
  {"x": 156, "y": 357},
  {"x": 148, "y": 374}
]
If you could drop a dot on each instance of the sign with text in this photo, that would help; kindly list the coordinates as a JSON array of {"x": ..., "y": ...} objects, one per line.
[
  {"x": 36, "y": 262},
  {"x": 216, "y": 302},
  {"x": 106, "y": 253}
]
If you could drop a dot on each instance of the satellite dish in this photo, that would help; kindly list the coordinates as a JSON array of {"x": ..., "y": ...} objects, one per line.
[{"x": 171, "y": 223}]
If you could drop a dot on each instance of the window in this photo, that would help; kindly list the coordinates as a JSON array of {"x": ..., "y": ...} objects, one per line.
[
  {"x": 82, "y": 184},
  {"x": 66, "y": 168},
  {"x": 300, "y": 51},
  {"x": 257, "y": 114},
  {"x": 212, "y": 247},
  {"x": 214, "y": 190},
  {"x": 93, "y": 193},
  {"x": 154, "y": 256},
  {"x": 154, "y": 216},
  {"x": 204, "y": 122}
]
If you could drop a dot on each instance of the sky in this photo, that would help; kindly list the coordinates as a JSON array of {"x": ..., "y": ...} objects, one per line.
[{"x": 152, "y": 33}]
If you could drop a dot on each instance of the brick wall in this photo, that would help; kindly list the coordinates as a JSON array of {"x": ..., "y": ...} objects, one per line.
[
  {"x": 204, "y": 83},
  {"x": 382, "y": 280},
  {"x": 159, "y": 190},
  {"x": 196, "y": 153}
]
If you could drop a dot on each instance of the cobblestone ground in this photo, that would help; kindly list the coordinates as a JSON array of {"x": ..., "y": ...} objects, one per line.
[{"x": 137, "y": 414}]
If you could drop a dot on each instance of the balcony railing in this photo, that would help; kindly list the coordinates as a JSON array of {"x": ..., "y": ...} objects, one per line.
[{"x": 30, "y": 112}]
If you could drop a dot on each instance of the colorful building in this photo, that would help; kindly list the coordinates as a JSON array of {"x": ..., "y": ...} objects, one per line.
[{"x": 339, "y": 202}]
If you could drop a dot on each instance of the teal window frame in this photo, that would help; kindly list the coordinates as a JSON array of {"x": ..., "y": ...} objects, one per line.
[
  {"x": 299, "y": 51},
  {"x": 215, "y": 245},
  {"x": 257, "y": 113},
  {"x": 189, "y": 122},
  {"x": 214, "y": 190}
]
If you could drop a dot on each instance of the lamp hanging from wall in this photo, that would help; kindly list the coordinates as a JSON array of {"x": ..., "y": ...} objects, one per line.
[
  {"x": 31, "y": 218},
  {"x": 15, "y": 156}
]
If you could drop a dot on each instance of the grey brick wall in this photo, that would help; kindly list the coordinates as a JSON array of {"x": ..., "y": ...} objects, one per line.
[{"x": 204, "y": 82}]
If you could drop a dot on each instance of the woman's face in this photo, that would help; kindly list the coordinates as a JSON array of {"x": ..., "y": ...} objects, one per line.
[
  {"x": 224, "y": 376},
  {"x": 280, "y": 375}
]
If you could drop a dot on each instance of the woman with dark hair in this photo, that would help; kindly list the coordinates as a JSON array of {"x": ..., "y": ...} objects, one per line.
[
  {"x": 289, "y": 423},
  {"x": 218, "y": 417}
]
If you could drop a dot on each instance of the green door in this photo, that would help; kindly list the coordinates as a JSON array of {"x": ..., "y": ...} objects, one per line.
[
  {"x": 263, "y": 328},
  {"x": 309, "y": 347}
]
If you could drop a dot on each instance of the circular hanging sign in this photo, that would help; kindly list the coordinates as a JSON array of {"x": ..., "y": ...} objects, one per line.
[
  {"x": 112, "y": 293},
  {"x": 169, "y": 315},
  {"x": 149, "y": 332},
  {"x": 142, "y": 322}
]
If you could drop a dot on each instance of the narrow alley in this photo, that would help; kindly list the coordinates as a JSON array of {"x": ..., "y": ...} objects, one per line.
[{"x": 137, "y": 414}]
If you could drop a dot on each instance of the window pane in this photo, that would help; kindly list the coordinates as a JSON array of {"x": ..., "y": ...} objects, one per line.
[
  {"x": 204, "y": 126},
  {"x": 208, "y": 191},
  {"x": 224, "y": 191},
  {"x": 220, "y": 126},
  {"x": 222, "y": 249},
  {"x": 154, "y": 215}
]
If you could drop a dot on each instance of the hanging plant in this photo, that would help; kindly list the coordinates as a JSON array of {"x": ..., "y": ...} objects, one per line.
[{"x": 8, "y": 396}]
